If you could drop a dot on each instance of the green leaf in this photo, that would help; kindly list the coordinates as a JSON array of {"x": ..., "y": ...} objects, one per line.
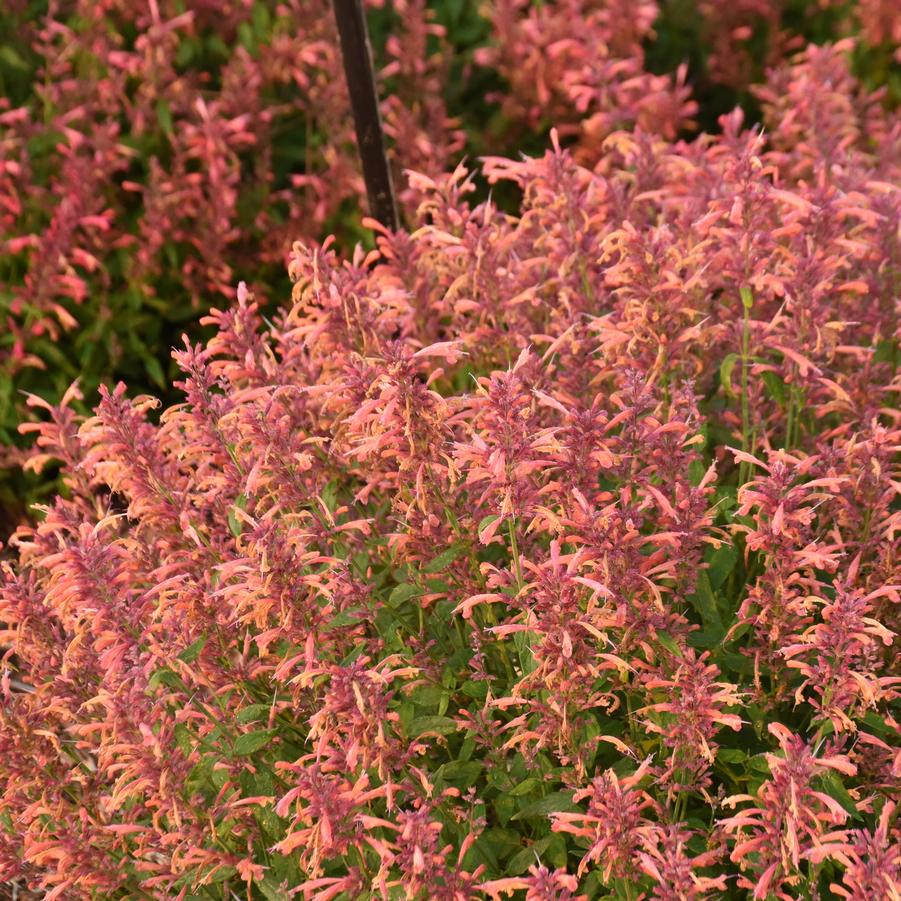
[
  {"x": 877, "y": 723},
  {"x": 155, "y": 371},
  {"x": 12, "y": 60},
  {"x": 253, "y": 713},
  {"x": 349, "y": 617},
  {"x": 886, "y": 351},
  {"x": 485, "y": 522},
  {"x": 722, "y": 562},
  {"x": 261, "y": 22},
  {"x": 192, "y": 651},
  {"x": 522, "y": 860},
  {"x": 705, "y": 603},
  {"x": 555, "y": 802},
  {"x": 271, "y": 889},
  {"x": 444, "y": 559},
  {"x": 43, "y": 142},
  {"x": 462, "y": 772},
  {"x": 245, "y": 36},
  {"x": 401, "y": 593},
  {"x": 434, "y": 725},
  {"x": 329, "y": 496},
  {"x": 427, "y": 695},
  {"x": 184, "y": 54},
  {"x": 731, "y": 755},
  {"x": 705, "y": 639},
  {"x": 555, "y": 852},
  {"x": 250, "y": 742},
  {"x": 164, "y": 116},
  {"x": 165, "y": 677},
  {"x": 477, "y": 690},
  {"x": 524, "y": 787},
  {"x": 726, "y": 369},
  {"x": 668, "y": 642},
  {"x": 834, "y": 787},
  {"x": 775, "y": 387},
  {"x": 222, "y": 874},
  {"x": 235, "y": 525},
  {"x": 183, "y": 739}
]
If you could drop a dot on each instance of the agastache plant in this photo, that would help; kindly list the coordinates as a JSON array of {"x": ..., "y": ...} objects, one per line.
[
  {"x": 153, "y": 154},
  {"x": 545, "y": 553}
]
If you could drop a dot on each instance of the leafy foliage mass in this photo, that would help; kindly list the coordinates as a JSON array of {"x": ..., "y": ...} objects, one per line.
[{"x": 551, "y": 555}]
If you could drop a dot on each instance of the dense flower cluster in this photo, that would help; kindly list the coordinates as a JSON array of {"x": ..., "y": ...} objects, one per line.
[
  {"x": 553, "y": 553},
  {"x": 164, "y": 152},
  {"x": 589, "y": 81},
  {"x": 153, "y": 153}
]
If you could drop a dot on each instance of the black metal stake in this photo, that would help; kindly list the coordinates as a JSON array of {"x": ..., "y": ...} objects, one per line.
[{"x": 358, "y": 70}]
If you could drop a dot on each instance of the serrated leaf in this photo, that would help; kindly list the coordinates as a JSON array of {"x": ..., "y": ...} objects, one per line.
[{"x": 250, "y": 742}]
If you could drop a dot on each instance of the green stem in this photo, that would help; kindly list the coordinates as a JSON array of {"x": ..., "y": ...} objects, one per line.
[
  {"x": 791, "y": 420},
  {"x": 747, "y": 301},
  {"x": 514, "y": 548}
]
